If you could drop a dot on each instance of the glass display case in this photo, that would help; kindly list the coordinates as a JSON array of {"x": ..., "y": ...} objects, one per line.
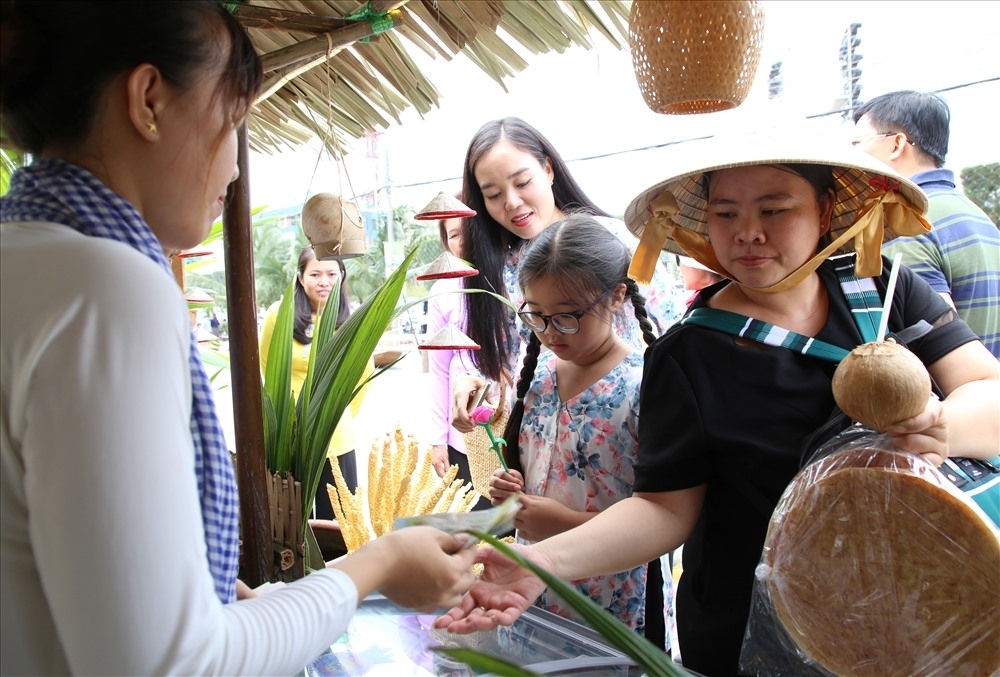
[{"x": 384, "y": 640}]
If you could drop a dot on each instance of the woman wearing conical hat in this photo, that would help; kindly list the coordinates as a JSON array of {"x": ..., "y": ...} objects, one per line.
[{"x": 726, "y": 419}]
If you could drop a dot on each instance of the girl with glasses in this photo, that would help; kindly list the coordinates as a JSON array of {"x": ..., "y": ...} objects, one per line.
[{"x": 573, "y": 431}]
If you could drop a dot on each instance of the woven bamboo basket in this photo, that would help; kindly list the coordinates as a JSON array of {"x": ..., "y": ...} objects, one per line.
[
  {"x": 483, "y": 461},
  {"x": 695, "y": 56}
]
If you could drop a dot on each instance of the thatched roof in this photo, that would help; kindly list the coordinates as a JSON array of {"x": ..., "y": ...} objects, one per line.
[{"x": 332, "y": 78}]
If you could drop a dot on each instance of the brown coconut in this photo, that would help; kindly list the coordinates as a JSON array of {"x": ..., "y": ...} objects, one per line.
[{"x": 881, "y": 383}]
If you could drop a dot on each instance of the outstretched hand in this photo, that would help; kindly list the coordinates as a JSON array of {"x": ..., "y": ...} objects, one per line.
[
  {"x": 500, "y": 595},
  {"x": 417, "y": 567}
]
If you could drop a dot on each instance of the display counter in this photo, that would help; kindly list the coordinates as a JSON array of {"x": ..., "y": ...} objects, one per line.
[{"x": 384, "y": 640}]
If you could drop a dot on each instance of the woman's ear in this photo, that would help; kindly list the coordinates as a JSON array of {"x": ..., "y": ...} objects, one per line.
[
  {"x": 549, "y": 172},
  {"x": 826, "y": 204},
  {"x": 146, "y": 98}
]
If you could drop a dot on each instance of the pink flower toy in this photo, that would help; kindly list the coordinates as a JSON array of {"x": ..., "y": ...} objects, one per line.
[{"x": 482, "y": 415}]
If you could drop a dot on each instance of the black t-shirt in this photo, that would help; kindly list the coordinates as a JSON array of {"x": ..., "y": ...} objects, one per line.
[{"x": 733, "y": 414}]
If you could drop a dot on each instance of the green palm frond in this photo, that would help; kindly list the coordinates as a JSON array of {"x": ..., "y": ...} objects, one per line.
[
  {"x": 484, "y": 663},
  {"x": 653, "y": 661},
  {"x": 279, "y": 430}
]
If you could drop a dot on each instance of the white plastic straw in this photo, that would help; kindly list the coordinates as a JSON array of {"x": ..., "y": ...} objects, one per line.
[{"x": 889, "y": 291}]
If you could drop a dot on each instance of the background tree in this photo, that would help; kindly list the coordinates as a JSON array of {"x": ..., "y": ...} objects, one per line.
[
  {"x": 276, "y": 246},
  {"x": 982, "y": 185},
  {"x": 366, "y": 273}
]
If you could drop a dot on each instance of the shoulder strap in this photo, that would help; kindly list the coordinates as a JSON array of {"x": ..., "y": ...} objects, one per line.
[
  {"x": 763, "y": 332},
  {"x": 862, "y": 297}
]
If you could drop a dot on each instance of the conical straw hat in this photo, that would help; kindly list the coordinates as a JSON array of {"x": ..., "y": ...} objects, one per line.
[
  {"x": 449, "y": 338},
  {"x": 444, "y": 207},
  {"x": 444, "y": 266}
]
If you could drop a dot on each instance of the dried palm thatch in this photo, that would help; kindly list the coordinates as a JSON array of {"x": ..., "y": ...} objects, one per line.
[{"x": 342, "y": 68}]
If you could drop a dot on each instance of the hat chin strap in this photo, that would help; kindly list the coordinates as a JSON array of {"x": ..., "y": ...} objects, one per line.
[{"x": 883, "y": 209}]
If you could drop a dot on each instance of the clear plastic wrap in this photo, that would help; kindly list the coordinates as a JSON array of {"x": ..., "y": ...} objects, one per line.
[{"x": 875, "y": 565}]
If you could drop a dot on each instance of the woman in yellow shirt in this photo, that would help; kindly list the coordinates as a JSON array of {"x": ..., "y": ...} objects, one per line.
[{"x": 314, "y": 282}]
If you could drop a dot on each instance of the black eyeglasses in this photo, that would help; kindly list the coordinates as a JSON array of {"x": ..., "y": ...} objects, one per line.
[
  {"x": 871, "y": 137},
  {"x": 564, "y": 323}
]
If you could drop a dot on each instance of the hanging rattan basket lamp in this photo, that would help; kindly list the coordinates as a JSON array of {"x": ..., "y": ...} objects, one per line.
[
  {"x": 333, "y": 226},
  {"x": 695, "y": 56}
]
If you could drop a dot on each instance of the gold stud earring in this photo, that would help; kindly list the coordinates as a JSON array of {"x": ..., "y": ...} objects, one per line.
[{"x": 151, "y": 126}]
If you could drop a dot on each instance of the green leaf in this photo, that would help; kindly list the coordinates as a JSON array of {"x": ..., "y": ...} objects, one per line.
[
  {"x": 215, "y": 232},
  {"x": 278, "y": 386},
  {"x": 314, "y": 556},
  {"x": 652, "y": 660},
  {"x": 485, "y": 663}
]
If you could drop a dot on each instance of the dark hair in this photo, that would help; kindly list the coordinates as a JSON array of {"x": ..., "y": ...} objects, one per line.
[
  {"x": 485, "y": 242},
  {"x": 581, "y": 255},
  {"x": 303, "y": 306},
  {"x": 58, "y": 57},
  {"x": 924, "y": 118}
]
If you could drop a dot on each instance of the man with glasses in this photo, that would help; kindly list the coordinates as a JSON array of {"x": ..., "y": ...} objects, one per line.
[{"x": 960, "y": 257}]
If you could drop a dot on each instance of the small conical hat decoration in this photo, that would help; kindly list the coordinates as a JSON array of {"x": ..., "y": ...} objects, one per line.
[
  {"x": 333, "y": 226},
  {"x": 193, "y": 253},
  {"x": 444, "y": 207},
  {"x": 198, "y": 298},
  {"x": 695, "y": 56},
  {"x": 204, "y": 336},
  {"x": 449, "y": 338},
  {"x": 444, "y": 266}
]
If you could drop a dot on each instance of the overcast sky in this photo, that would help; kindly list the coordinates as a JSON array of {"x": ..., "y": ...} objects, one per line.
[{"x": 588, "y": 103}]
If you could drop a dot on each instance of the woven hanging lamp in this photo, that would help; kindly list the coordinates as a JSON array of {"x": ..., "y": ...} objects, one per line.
[
  {"x": 333, "y": 226},
  {"x": 695, "y": 56}
]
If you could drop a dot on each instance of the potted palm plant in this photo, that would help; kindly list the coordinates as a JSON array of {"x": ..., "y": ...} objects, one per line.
[{"x": 297, "y": 431}]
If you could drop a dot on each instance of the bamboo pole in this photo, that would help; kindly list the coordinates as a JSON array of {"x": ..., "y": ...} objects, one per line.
[
  {"x": 248, "y": 415},
  {"x": 314, "y": 47}
]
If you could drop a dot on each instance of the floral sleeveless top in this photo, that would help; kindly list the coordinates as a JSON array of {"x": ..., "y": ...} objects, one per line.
[{"x": 580, "y": 453}]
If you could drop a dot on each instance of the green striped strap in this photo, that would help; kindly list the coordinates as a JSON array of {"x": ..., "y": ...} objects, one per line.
[{"x": 763, "y": 332}]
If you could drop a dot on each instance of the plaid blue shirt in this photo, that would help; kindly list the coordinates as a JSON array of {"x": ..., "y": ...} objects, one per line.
[{"x": 55, "y": 191}]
